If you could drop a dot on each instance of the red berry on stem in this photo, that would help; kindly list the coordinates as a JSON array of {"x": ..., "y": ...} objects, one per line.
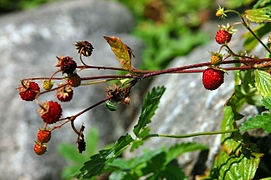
[
  {"x": 212, "y": 78},
  {"x": 44, "y": 135},
  {"x": 29, "y": 90},
  {"x": 223, "y": 36},
  {"x": 67, "y": 64},
  {"x": 65, "y": 93},
  {"x": 39, "y": 148},
  {"x": 51, "y": 112}
]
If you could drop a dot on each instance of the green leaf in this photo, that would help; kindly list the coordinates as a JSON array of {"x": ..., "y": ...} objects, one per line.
[
  {"x": 179, "y": 149},
  {"x": 70, "y": 152},
  {"x": 173, "y": 172},
  {"x": 96, "y": 164},
  {"x": 267, "y": 102},
  {"x": 259, "y": 15},
  {"x": 143, "y": 158},
  {"x": 70, "y": 172},
  {"x": 263, "y": 82},
  {"x": 229, "y": 139},
  {"x": 150, "y": 104},
  {"x": 260, "y": 121},
  {"x": 139, "y": 142},
  {"x": 120, "y": 175},
  {"x": 251, "y": 42},
  {"x": 122, "y": 143},
  {"x": 235, "y": 167},
  {"x": 99, "y": 161},
  {"x": 92, "y": 140}
]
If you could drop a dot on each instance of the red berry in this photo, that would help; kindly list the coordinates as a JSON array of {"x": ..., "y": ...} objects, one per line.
[
  {"x": 74, "y": 80},
  {"x": 223, "y": 36},
  {"x": 44, "y": 135},
  {"x": 67, "y": 64},
  {"x": 29, "y": 90},
  {"x": 39, "y": 148},
  {"x": 51, "y": 112},
  {"x": 212, "y": 78},
  {"x": 65, "y": 93}
]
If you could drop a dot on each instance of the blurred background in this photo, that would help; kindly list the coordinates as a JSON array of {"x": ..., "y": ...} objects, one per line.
[{"x": 34, "y": 32}]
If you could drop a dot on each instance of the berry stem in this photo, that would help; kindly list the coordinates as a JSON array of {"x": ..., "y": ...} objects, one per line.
[
  {"x": 101, "y": 67},
  {"x": 73, "y": 127},
  {"x": 97, "y": 82},
  {"x": 80, "y": 56},
  {"x": 247, "y": 26},
  {"x": 62, "y": 85},
  {"x": 53, "y": 75},
  {"x": 110, "y": 76},
  {"x": 234, "y": 54},
  {"x": 191, "y": 135}
]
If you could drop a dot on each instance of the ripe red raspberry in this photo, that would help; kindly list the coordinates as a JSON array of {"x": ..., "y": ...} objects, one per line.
[
  {"x": 29, "y": 91},
  {"x": 223, "y": 36},
  {"x": 44, "y": 135},
  {"x": 67, "y": 64},
  {"x": 39, "y": 148},
  {"x": 65, "y": 93},
  {"x": 51, "y": 112},
  {"x": 212, "y": 78},
  {"x": 74, "y": 80}
]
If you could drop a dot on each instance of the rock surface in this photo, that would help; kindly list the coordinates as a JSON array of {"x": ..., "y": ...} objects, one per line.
[
  {"x": 187, "y": 107},
  {"x": 29, "y": 44}
]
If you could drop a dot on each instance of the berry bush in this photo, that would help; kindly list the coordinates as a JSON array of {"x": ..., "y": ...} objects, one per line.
[{"x": 238, "y": 158}]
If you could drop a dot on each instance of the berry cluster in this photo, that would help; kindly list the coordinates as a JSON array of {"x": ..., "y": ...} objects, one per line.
[
  {"x": 51, "y": 111},
  {"x": 213, "y": 76}
]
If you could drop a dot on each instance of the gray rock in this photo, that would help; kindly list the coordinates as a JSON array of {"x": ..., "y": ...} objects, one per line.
[
  {"x": 187, "y": 107},
  {"x": 29, "y": 44}
]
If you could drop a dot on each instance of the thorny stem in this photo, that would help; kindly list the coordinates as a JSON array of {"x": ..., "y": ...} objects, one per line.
[
  {"x": 178, "y": 69},
  {"x": 191, "y": 135}
]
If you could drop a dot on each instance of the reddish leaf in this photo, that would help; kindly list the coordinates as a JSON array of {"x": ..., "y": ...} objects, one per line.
[{"x": 121, "y": 50}]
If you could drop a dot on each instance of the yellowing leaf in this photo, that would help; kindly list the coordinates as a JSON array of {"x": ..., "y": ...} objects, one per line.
[{"x": 121, "y": 50}]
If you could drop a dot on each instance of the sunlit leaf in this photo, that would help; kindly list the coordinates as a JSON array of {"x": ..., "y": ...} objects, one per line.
[
  {"x": 259, "y": 15},
  {"x": 263, "y": 82},
  {"x": 235, "y": 167},
  {"x": 121, "y": 50},
  {"x": 260, "y": 121}
]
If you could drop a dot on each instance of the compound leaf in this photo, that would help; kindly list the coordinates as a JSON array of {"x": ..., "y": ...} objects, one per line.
[{"x": 99, "y": 161}]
